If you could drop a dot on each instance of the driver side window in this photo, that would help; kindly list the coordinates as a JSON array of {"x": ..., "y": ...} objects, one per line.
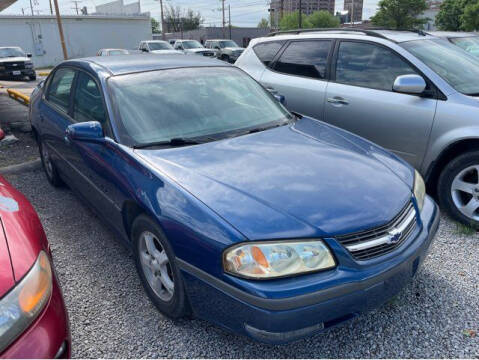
[{"x": 88, "y": 102}]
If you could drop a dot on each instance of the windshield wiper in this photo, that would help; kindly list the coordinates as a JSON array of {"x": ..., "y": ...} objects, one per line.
[{"x": 172, "y": 142}]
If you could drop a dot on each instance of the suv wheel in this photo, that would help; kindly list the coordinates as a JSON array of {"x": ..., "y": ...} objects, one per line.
[
  {"x": 155, "y": 262},
  {"x": 458, "y": 188},
  {"x": 225, "y": 58},
  {"x": 48, "y": 165}
]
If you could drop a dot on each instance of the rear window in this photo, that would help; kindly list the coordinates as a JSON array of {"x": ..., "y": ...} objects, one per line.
[{"x": 267, "y": 51}]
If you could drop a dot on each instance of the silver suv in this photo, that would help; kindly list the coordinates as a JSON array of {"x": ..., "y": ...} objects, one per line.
[
  {"x": 414, "y": 94},
  {"x": 226, "y": 50}
]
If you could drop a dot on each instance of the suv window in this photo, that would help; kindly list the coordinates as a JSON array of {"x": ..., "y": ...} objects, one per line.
[
  {"x": 267, "y": 51},
  {"x": 369, "y": 65},
  {"x": 305, "y": 58},
  {"x": 60, "y": 88},
  {"x": 87, "y": 102}
]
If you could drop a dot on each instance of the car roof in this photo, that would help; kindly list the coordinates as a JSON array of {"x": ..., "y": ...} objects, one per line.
[
  {"x": 452, "y": 34},
  {"x": 397, "y": 36},
  {"x": 10, "y": 47},
  {"x": 149, "y": 41},
  {"x": 219, "y": 40},
  {"x": 125, "y": 64}
]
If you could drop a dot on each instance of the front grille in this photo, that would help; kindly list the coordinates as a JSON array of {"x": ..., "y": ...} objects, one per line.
[
  {"x": 208, "y": 54},
  {"x": 375, "y": 242},
  {"x": 14, "y": 65}
]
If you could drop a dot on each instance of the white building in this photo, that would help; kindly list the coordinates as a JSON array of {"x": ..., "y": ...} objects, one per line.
[
  {"x": 84, "y": 35},
  {"x": 118, "y": 7}
]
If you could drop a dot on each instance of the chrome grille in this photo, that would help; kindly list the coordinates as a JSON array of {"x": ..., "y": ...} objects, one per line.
[
  {"x": 375, "y": 242},
  {"x": 14, "y": 65}
]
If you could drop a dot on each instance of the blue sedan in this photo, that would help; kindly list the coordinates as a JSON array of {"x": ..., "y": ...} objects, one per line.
[{"x": 266, "y": 222}]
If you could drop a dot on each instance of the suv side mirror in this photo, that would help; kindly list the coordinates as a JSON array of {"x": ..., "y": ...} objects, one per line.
[
  {"x": 29, "y": 55},
  {"x": 85, "y": 131},
  {"x": 409, "y": 84},
  {"x": 144, "y": 50}
]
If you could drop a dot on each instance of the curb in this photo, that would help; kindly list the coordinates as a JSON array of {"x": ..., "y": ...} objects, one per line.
[
  {"x": 23, "y": 167},
  {"x": 17, "y": 95}
]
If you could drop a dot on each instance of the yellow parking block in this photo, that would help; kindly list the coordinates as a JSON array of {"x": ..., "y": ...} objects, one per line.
[
  {"x": 17, "y": 95},
  {"x": 43, "y": 73}
]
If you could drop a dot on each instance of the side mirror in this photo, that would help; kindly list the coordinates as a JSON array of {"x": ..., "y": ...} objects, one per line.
[
  {"x": 29, "y": 55},
  {"x": 280, "y": 98},
  {"x": 409, "y": 84},
  {"x": 85, "y": 131},
  {"x": 144, "y": 50}
]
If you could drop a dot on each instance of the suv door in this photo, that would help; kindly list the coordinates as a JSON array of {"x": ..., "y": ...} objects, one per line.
[
  {"x": 300, "y": 74},
  {"x": 360, "y": 99}
]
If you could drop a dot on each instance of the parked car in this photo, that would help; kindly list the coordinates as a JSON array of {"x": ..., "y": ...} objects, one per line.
[
  {"x": 466, "y": 41},
  {"x": 112, "y": 52},
  {"x": 193, "y": 47},
  {"x": 157, "y": 47},
  {"x": 226, "y": 50},
  {"x": 14, "y": 62},
  {"x": 412, "y": 93},
  {"x": 265, "y": 222},
  {"x": 33, "y": 319}
]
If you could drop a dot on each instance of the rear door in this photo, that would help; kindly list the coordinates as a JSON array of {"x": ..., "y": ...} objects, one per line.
[
  {"x": 360, "y": 99},
  {"x": 300, "y": 74}
]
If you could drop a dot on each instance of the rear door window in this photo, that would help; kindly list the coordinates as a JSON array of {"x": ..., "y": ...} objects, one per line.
[
  {"x": 60, "y": 88},
  {"x": 369, "y": 65},
  {"x": 267, "y": 51},
  {"x": 305, "y": 58}
]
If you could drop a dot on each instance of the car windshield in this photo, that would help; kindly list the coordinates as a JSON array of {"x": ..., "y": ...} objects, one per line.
[
  {"x": 470, "y": 44},
  {"x": 228, "y": 43},
  {"x": 11, "y": 52},
  {"x": 119, "y": 52},
  {"x": 451, "y": 63},
  {"x": 160, "y": 46},
  {"x": 191, "y": 44},
  {"x": 213, "y": 102}
]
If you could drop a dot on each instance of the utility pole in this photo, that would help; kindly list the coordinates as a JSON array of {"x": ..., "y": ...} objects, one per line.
[
  {"x": 51, "y": 7},
  {"x": 352, "y": 13},
  {"x": 31, "y": 7},
  {"x": 229, "y": 15},
  {"x": 281, "y": 10},
  {"x": 300, "y": 14},
  {"x": 223, "y": 9},
  {"x": 60, "y": 30},
  {"x": 76, "y": 5},
  {"x": 163, "y": 28},
  {"x": 23, "y": 11}
]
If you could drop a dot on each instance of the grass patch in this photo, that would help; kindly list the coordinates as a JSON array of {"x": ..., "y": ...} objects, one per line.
[{"x": 464, "y": 229}]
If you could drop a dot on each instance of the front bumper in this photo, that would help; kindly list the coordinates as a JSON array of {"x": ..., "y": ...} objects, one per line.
[
  {"x": 49, "y": 335},
  {"x": 281, "y": 320},
  {"x": 17, "y": 73}
]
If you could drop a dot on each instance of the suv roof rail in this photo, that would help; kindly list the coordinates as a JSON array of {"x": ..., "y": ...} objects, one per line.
[{"x": 369, "y": 31}]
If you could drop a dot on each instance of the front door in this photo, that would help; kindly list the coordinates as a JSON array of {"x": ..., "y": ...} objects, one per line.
[{"x": 360, "y": 99}]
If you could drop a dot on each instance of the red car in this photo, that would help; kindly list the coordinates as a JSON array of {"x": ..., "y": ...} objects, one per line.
[{"x": 33, "y": 318}]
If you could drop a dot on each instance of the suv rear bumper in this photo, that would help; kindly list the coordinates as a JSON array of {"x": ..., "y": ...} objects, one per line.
[{"x": 287, "y": 319}]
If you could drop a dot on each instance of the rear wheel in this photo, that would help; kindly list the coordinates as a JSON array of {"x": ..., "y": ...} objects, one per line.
[
  {"x": 156, "y": 265},
  {"x": 48, "y": 165},
  {"x": 458, "y": 188},
  {"x": 32, "y": 77}
]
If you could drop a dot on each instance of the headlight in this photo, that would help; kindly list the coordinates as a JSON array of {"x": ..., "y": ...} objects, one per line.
[
  {"x": 20, "y": 307},
  {"x": 419, "y": 189},
  {"x": 273, "y": 259}
]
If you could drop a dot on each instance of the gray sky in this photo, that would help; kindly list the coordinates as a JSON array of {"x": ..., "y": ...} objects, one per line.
[{"x": 243, "y": 12}]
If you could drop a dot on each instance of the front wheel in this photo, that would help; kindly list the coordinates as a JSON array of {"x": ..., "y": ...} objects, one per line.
[
  {"x": 48, "y": 165},
  {"x": 156, "y": 265},
  {"x": 458, "y": 189},
  {"x": 32, "y": 77}
]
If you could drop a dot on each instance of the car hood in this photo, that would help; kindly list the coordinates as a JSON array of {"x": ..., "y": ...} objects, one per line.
[
  {"x": 7, "y": 280},
  {"x": 302, "y": 180},
  {"x": 14, "y": 59},
  {"x": 234, "y": 48},
  {"x": 166, "y": 52},
  {"x": 198, "y": 50}
]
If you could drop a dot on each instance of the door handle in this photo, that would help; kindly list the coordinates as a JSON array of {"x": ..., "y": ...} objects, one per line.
[{"x": 337, "y": 100}]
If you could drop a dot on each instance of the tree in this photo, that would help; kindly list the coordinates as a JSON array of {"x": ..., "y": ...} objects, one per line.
[
  {"x": 291, "y": 21},
  {"x": 449, "y": 16},
  {"x": 177, "y": 20},
  {"x": 400, "y": 14},
  {"x": 470, "y": 18},
  {"x": 323, "y": 19},
  {"x": 155, "y": 26},
  {"x": 263, "y": 24}
]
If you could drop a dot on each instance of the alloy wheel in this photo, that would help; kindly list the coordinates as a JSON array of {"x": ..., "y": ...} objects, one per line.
[
  {"x": 465, "y": 192},
  {"x": 156, "y": 266}
]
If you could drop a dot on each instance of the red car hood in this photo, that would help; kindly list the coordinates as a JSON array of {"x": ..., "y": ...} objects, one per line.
[{"x": 22, "y": 236}]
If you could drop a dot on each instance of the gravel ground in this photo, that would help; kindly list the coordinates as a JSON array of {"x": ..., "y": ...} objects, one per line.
[
  {"x": 25, "y": 149},
  {"x": 111, "y": 316}
]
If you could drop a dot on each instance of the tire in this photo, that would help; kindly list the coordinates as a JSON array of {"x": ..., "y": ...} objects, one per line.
[
  {"x": 458, "y": 189},
  {"x": 225, "y": 58},
  {"x": 150, "y": 244},
  {"x": 32, "y": 77},
  {"x": 48, "y": 165}
]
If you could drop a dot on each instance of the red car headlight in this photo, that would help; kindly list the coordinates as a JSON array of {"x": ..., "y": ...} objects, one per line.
[{"x": 21, "y": 306}]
